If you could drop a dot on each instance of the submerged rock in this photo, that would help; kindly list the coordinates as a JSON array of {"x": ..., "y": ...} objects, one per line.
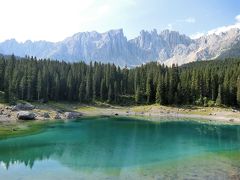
[
  {"x": 72, "y": 115},
  {"x": 25, "y": 115}
]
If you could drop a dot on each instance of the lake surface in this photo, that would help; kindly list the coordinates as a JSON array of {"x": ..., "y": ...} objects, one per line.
[{"x": 121, "y": 148}]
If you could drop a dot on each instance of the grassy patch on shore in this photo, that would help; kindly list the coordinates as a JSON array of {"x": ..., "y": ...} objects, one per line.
[{"x": 8, "y": 130}]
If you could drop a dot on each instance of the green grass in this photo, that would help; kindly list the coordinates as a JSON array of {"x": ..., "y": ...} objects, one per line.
[{"x": 21, "y": 128}]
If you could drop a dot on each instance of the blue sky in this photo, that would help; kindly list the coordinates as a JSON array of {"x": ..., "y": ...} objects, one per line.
[
  {"x": 204, "y": 15},
  {"x": 54, "y": 20}
]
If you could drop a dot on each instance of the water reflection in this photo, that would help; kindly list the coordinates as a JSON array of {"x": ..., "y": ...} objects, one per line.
[{"x": 123, "y": 143}]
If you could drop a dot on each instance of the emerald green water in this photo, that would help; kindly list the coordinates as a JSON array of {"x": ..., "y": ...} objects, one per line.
[{"x": 121, "y": 148}]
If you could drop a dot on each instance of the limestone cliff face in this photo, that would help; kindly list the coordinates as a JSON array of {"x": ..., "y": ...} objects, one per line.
[
  {"x": 207, "y": 47},
  {"x": 113, "y": 47}
]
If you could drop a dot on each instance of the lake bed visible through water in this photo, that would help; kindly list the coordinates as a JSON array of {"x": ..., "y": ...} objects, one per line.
[{"x": 123, "y": 148}]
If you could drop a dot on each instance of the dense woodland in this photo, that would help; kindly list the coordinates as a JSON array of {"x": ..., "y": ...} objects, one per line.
[{"x": 205, "y": 83}]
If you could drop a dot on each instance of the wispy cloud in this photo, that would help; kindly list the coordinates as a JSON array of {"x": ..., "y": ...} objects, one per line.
[
  {"x": 170, "y": 26},
  {"x": 226, "y": 28},
  {"x": 188, "y": 20},
  {"x": 197, "y": 35},
  {"x": 218, "y": 30},
  {"x": 63, "y": 17},
  {"x": 238, "y": 18}
]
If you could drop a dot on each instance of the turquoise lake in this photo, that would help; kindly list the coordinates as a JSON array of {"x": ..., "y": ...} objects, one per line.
[{"x": 123, "y": 148}]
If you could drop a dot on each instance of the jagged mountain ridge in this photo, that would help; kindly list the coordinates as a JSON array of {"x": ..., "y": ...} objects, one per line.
[{"x": 166, "y": 47}]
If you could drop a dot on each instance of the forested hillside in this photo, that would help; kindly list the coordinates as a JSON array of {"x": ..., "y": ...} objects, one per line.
[{"x": 202, "y": 83}]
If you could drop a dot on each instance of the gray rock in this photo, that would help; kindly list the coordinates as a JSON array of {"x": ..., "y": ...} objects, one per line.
[
  {"x": 7, "y": 107},
  {"x": 25, "y": 115},
  {"x": 23, "y": 106},
  {"x": 113, "y": 47},
  {"x": 72, "y": 115},
  {"x": 46, "y": 115},
  {"x": 231, "y": 120},
  {"x": 58, "y": 116}
]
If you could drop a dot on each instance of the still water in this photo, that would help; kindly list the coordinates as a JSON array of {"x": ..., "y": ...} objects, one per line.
[{"x": 122, "y": 148}]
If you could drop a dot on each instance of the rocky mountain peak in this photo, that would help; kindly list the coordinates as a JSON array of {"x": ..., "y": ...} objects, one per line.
[{"x": 112, "y": 46}]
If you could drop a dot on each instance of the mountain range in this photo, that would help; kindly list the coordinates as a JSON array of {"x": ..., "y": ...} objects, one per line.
[{"x": 113, "y": 47}]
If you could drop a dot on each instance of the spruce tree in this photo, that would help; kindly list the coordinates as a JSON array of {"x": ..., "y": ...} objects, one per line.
[
  {"x": 110, "y": 93},
  {"x": 39, "y": 85},
  {"x": 219, "y": 97},
  {"x": 148, "y": 89},
  {"x": 103, "y": 90},
  {"x": 158, "y": 93},
  {"x": 81, "y": 91},
  {"x": 138, "y": 95},
  {"x": 2, "y": 72},
  {"x": 116, "y": 90},
  {"x": 89, "y": 87},
  {"x": 238, "y": 91}
]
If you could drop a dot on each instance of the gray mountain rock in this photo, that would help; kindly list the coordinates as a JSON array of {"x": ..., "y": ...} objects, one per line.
[{"x": 166, "y": 47}]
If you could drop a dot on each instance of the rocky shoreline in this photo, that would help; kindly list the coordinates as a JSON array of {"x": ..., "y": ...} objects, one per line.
[{"x": 27, "y": 111}]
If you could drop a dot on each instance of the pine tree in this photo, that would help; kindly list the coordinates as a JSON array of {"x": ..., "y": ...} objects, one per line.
[
  {"x": 81, "y": 91},
  {"x": 89, "y": 87},
  {"x": 2, "y": 72},
  {"x": 46, "y": 84},
  {"x": 39, "y": 85},
  {"x": 110, "y": 94},
  {"x": 219, "y": 97},
  {"x": 22, "y": 86},
  {"x": 138, "y": 95},
  {"x": 29, "y": 79},
  {"x": 158, "y": 93},
  {"x": 116, "y": 90},
  {"x": 238, "y": 91},
  {"x": 149, "y": 89},
  {"x": 70, "y": 86},
  {"x": 103, "y": 90},
  {"x": 57, "y": 87}
]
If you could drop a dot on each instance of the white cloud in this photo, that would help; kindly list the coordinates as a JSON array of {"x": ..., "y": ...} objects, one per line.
[
  {"x": 170, "y": 26},
  {"x": 237, "y": 18},
  {"x": 54, "y": 20},
  {"x": 197, "y": 35},
  {"x": 224, "y": 29},
  {"x": 219, "y": 30},
  {"x": 190, "y": 20}
]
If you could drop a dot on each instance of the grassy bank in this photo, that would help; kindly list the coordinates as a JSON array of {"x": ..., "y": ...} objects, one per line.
[
  {"x": 152, "y": 112},
  {"x": 21, "y": 128}
]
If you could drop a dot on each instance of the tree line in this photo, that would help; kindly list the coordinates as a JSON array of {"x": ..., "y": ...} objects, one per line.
[{"x": 208, "y": 83}]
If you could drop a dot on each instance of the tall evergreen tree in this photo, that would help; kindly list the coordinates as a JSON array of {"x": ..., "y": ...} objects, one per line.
[
  {"x": 116, "y": 92},
  {"x": 103, "y": 90},
  {"x": 2, "y": 72},
  {"x": 89, "y": 87},
  {"x": 238, "y": 91},
  {"x": 110, "y": 94},
  {"x": 158, "y": 93},
  {"x": 149, "y": 89},
  {"x": 219, "y": 97},
  {"x": 81, "y": 94},
  {"x": 39, "y": 85},
  {"x": 138, "y": 95},
  {"x": 31, "y": 79}
]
